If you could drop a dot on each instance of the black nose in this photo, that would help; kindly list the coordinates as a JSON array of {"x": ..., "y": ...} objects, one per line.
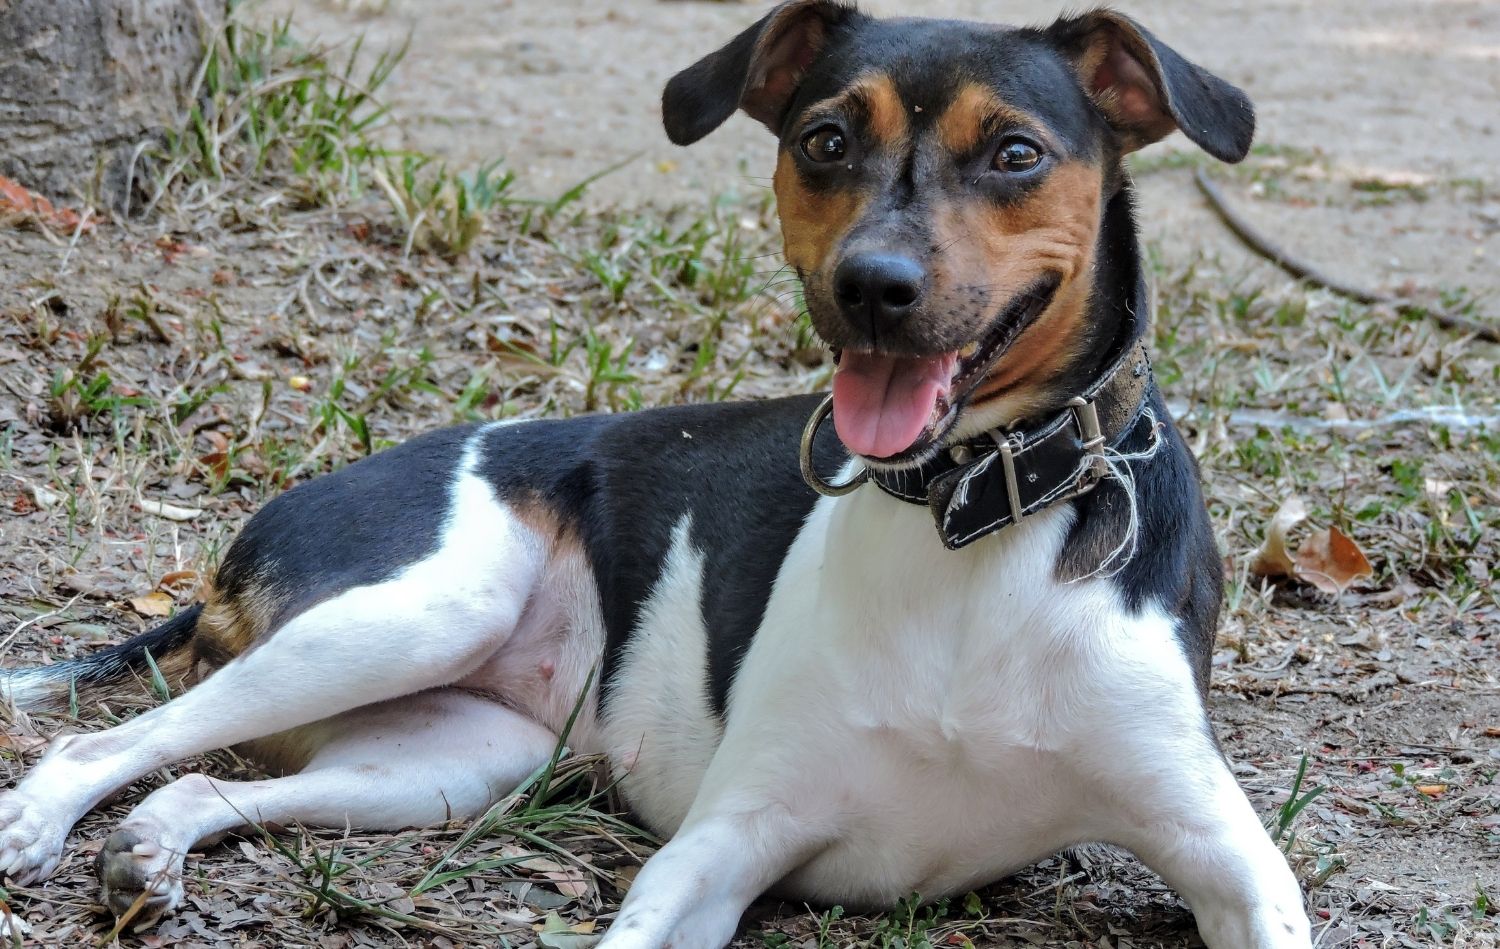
[{"x": 878, "y": 290}]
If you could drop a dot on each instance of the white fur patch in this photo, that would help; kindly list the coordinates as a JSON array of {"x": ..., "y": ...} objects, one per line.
[
  {"x": 914, "y": 719},
  {"x": 661, "y": 731}
]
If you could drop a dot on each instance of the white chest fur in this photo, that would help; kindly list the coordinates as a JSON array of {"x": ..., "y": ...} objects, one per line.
[{"x": 933, "y": 714}]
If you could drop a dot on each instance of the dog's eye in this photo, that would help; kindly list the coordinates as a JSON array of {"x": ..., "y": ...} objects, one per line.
[
  {"x": 1017, "y": 155},
  {"x": 824, "y": 144}
]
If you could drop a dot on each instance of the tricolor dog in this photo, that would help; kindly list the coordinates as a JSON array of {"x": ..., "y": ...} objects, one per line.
[{"x": 905, "y": 639}]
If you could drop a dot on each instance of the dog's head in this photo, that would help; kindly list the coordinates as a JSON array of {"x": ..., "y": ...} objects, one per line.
[{"x": 941, "y": 187}]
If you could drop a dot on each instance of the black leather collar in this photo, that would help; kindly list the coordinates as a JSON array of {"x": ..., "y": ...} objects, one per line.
[{"x": 984, "y": 485}]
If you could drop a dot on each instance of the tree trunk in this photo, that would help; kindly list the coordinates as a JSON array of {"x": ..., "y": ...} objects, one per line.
[{"x": 84, "y": 84}]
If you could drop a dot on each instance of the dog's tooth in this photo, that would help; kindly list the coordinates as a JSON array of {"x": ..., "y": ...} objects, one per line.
[{"x": 968, "y": 350}]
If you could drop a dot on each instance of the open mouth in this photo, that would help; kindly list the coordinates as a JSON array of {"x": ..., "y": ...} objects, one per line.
[{"x": 893, "y": 408}]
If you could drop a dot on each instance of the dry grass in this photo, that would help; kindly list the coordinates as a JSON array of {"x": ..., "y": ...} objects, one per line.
[{"x": 276, "y": 317}]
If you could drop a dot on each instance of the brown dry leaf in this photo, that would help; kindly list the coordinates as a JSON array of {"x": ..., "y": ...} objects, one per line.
[
  {"x": 572, "y": 883},
  {"x": 217, "y": 462},
  {"x": 1331, "y": 561},
  {"x": 21, "y": 743},
  {"x": 569, "y": 881},
  {"x": 17, "y": 203},
  {"x": 625, "y": 876},
  {"x": 557, "y": 933},
  {"x": 155, "y": 603},
  {"x": 185, "y": 578},
  {"x": 1432, "y": 790},
  {"x": 1273, "y": 559}
]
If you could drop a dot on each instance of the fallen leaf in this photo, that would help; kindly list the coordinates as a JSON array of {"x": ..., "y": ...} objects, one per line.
[
  {"x": 556, "y": 933},
  {"x": 1492, "y": 731},
  {"x": 1432, "y": 790},
  {"x": 170, "y": 249},
  {"x": 22, "y": 205},
  {"x": 571, "y": 883},
  {"x": 170, "y": 511},
  {"x": 1272, "y": 559},
  {"x": 155, "y": 603},
  {"x": 21, "y": 743},
  {"x": 178, "y": 578},
  {"x": 217, "y": 462},
  {"x": 45, "y": 499},
  {"x": 1331, "y": 561}
]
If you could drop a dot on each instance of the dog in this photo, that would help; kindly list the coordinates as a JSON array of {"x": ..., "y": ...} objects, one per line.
[{"x": 965, "y": 626}]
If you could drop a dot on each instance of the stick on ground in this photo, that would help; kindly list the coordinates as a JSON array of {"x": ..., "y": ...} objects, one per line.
[{"x": 1256, "y": 240}]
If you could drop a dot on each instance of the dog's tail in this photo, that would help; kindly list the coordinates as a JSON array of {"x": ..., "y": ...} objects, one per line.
[{"x": 159, "y": 652}]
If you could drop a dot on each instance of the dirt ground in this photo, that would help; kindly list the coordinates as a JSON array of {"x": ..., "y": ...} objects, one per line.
[
  {"x": 1388, "y": 108},
  {"x": 222, "y": 350}
]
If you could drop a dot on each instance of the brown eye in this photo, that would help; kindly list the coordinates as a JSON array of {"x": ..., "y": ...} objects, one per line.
[
  {"x": 824, "y": 144},
  {"x": 1017, "y": 155}
]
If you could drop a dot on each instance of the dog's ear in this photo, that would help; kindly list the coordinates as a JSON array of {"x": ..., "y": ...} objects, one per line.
[
  {"x": 758, "y": 71},
  {"x": 1147, "y": 90}
]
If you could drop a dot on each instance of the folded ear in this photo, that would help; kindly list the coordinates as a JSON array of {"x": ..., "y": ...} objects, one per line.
[
  {"x": 1147, "y": 90},
  {"x": 758, "y": 71}
]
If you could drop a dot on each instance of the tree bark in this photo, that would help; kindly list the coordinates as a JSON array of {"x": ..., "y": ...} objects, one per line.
[{"x": 85, "y": 84}]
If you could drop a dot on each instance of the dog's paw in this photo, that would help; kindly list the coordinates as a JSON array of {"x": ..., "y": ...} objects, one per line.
[
  {"x": 31, "y": 844},
  {"x": 134, "y": 869}
]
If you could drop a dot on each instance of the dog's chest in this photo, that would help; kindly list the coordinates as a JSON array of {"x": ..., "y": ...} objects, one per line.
[
  {"x": 938, "y": 708},
  {"x": 929, "y": 703}
]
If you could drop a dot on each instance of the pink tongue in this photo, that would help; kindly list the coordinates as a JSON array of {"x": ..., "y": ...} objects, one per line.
[{"x": 881, "y": 404}]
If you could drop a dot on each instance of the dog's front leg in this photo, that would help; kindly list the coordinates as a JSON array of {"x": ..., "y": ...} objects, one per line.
[
  {"x": 1224, "y": 863},
  {"x": 692, "y": 893},
  {"x": 1195, "y": 827}
]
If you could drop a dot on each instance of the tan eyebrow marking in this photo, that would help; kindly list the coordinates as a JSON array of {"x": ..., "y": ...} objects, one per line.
[
  {"x": 885, "y": 111},
  {"x": 971, "y": 115},
  {"x": 874, "y": 95}
]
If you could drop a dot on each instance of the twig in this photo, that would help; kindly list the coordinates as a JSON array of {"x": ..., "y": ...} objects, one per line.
[
  {"x": 1256, "y": 240},
  {"x": 152, "y": 303},
  {"x": 21, "y": 626},
  {"x": 83, "y": 221}
]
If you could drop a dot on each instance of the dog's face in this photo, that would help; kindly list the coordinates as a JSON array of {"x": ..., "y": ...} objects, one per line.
[{"x": 941, "y": 187}]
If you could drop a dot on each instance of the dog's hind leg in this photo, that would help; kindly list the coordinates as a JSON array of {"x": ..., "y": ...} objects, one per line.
[
  {"x": 431, "y": 624},
  {"x": 442, "y": 755}
]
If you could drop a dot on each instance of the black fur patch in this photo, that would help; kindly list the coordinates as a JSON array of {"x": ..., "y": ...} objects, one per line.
[
  {"x": 357, "y": 526},
  {"x": 625, "y": 481},
  {"x": 1176, "y": 563}
]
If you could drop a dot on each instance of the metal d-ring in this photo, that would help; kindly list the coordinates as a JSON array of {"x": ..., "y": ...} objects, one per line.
[{"x": 809, "y": 474}]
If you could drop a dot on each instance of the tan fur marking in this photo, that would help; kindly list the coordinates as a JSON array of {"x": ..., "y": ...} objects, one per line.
[
  {"x": 873, "y": 97},
  {"x": 288, "y": 752},
  {"x": 885, "y": 113},
  {"x": 544, "y": 522},
  {"x": 812, "y": 224},
  {"x": 178, "y": 669},
  {"x": 228, "y": 627},
  {"x": 1009, "y": 249},
  {"x": 969, "y": 117}
]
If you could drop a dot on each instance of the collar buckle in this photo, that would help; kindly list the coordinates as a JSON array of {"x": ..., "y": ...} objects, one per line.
[
  {"x": 1086, "y": 417},
  {"x": 1008, "y": 445}
]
